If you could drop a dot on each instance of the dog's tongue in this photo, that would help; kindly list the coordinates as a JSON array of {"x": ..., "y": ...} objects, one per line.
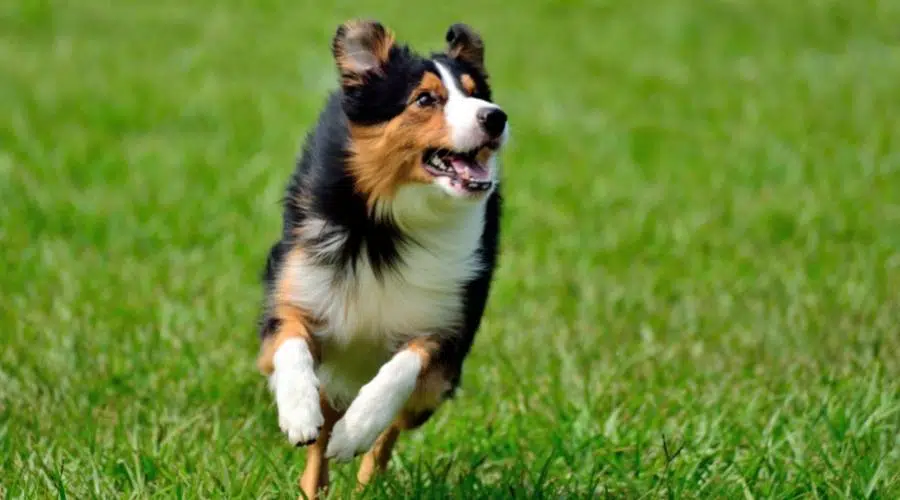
[{"x": 469, "y": 170}]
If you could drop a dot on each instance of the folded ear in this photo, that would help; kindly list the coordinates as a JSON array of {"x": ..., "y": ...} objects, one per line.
[
  {"x": 361, "y": 48},
  {"x": 466, "y": 45}
]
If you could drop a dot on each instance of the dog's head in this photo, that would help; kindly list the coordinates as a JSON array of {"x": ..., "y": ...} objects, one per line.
[{"x": 418, "y": 121}]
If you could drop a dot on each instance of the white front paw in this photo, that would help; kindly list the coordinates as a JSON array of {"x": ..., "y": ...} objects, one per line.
[
  {"x": 375, "y": 407},
  {"x": 357, "y": 431},
  {"x": 296, "y": 392},
  {"x": 299, "y": 411}
]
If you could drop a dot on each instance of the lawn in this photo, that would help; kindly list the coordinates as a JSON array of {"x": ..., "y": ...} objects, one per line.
[{"x": 699, "y": 293}]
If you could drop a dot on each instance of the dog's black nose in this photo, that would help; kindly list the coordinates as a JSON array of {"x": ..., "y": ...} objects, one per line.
[{"x": 493, "y": 120}]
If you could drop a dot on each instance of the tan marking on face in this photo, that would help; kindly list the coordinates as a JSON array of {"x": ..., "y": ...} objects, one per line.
[
  {"x": 430, "y": 83},
  {"x": 389, "y": 155},
  {"x": 468, "y": 84},
  {"x": 294, "y": 322}
]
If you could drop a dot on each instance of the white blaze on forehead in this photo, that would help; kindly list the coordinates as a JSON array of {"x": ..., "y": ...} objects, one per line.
[{"x": 461, "y": 112}]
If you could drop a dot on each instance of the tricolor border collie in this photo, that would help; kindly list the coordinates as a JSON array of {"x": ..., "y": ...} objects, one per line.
[{"x": 377, "y": 286}]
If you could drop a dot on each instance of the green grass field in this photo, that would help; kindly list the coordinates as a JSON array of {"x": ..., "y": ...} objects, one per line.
[{"x": 700, "y": 286}]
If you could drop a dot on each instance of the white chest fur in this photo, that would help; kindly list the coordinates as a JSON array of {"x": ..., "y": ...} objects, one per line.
[{"x": 366, "y": 316}]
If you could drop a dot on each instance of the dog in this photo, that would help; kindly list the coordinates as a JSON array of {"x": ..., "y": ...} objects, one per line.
[{"x": 378, "y": 284}]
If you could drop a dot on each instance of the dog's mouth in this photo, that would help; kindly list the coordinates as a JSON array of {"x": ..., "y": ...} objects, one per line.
[{"x": 464, "y": 169}]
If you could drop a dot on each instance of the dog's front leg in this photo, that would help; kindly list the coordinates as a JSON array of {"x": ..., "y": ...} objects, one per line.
[
  {"x": 378, "y": 402},
  {"x": 287, "y": 357}
]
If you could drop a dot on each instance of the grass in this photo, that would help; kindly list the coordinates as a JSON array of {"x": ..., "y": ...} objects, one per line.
[{"x": 700, "y": 287}]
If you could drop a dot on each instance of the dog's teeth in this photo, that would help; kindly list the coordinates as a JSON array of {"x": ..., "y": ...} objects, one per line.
[{"x": 439, "y": 164}]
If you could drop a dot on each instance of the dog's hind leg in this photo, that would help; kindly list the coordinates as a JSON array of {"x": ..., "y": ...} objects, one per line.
[
  {"x": 315, "y": 474},
  {"x": 376, "y": 460}
]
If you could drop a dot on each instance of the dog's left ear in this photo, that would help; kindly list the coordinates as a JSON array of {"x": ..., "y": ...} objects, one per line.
[
  {"x": 465, "y": 44},
  {"x": 361, "y": 49}
]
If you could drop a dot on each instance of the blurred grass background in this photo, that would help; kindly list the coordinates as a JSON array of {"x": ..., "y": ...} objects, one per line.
[{"x": 698, "y": 294}]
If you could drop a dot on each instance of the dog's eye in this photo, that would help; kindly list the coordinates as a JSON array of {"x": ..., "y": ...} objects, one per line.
[{"x": 426, "y": 99}]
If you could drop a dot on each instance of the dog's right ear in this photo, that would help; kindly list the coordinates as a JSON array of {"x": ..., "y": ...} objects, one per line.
[{"x": 361, "y": 49}]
